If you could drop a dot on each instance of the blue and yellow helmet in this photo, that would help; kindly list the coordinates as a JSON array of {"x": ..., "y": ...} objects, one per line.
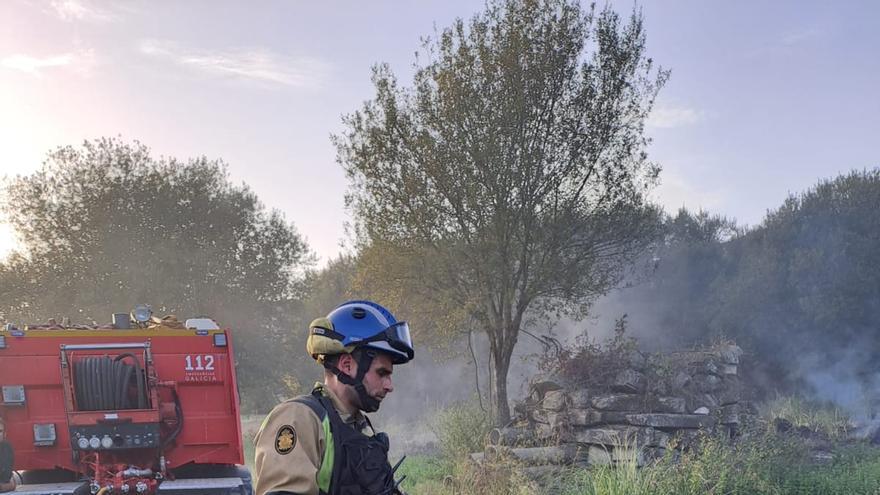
[{"x": 360, "y": 324}]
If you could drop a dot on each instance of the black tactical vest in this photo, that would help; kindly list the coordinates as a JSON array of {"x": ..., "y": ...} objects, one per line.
[{"x": 360, "y": 462}]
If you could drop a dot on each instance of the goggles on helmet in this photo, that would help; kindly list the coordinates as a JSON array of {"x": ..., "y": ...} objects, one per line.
[{"x": 397, "y": 336}]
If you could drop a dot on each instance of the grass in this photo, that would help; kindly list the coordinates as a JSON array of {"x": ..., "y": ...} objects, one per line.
[
  {"x": 424, "y": 473},
  {"x": 249, "y": 426},
  {"x": 760, "y": 467},
  {"x": 763, "y": 463},
  {"x": 822, "y": 418}
]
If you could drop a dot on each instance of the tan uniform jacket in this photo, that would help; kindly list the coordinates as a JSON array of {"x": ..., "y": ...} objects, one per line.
[{"x": 290, "y": 445}]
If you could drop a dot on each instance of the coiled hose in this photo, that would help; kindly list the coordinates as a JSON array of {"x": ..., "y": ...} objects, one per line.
[{"x": 103, "y": 383}]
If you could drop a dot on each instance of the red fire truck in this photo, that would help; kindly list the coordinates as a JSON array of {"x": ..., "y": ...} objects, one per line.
[{"x": 142, "y": 406}]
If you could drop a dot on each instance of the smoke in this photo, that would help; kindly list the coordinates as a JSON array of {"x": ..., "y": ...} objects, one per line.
[{"x": 798, "y": 293}]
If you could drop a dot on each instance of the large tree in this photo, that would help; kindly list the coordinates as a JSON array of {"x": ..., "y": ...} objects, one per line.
[
  {"x": 507, "y": 184},
  {"x": 105, "y": 226}
]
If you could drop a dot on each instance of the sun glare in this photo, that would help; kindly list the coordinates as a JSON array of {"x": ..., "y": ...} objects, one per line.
[{"x": 8, "y": 241}]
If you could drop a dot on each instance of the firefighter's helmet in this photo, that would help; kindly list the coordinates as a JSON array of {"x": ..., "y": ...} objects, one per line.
[{"x": 360, "y": 324}]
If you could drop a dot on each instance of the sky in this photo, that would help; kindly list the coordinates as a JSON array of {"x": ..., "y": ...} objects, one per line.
[{"x": 764, "y": 100}]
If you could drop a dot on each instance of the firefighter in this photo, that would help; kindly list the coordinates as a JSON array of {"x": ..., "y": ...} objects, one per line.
[
  {"x": 322, "y": 443},
  {"x": 7, "y": 459}
]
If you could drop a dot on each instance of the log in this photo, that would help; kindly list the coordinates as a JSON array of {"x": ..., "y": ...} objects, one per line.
[
  {"x": 493, "y": 452},
  {"x": 510, "y": 436},
  {"x": 676, "y": 421}
]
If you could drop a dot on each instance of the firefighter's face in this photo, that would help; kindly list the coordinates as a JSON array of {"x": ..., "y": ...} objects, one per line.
[{"x": 377, "y": 381}]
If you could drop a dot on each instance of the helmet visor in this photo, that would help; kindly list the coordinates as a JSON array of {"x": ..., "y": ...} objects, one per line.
[{"x": 398, "y": 337}]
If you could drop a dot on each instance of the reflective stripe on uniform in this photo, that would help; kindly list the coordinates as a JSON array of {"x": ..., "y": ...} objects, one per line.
[{"x": 326, "y": 472}]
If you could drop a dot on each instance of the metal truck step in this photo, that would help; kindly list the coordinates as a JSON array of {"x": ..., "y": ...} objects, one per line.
[{"x": 192, "y": 486}]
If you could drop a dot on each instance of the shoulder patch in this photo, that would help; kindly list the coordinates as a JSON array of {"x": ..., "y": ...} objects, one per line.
[{"x": 285, "y": 440}]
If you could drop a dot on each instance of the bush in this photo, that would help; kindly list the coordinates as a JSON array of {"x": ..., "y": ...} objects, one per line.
[{"x": 461, "y": 429}]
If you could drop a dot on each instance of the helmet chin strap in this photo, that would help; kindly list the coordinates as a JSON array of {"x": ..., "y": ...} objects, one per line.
[{"x": 366, "y": 402}]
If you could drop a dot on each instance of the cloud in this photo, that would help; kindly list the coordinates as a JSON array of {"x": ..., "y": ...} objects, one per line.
[
  {"x": 80, "y": 10},
  {"x": 33, "y": 65},
  {"x": 676, "y": 191},
  {"x": 82, "y": 62},
  {"x": 667, "y": 117},
  {"x": 259, "y": 64}
]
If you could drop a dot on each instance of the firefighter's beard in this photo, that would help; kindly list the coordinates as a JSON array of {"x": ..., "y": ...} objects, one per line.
[{"x": 366, "y": 402}]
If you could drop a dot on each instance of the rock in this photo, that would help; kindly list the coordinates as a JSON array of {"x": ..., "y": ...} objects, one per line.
[
  {"x": 697, "y": 401},
  {"x": 660, "y": 387},
  {"x": 680, "y": 380},
  {"x": 540, "y": 416},
  {"x": 710, "y": 366},
  {"x": 618, "y": 402},
  {"x": 671, "y": 405},
  {"x": 629, "y": 381},
  {"x": 592, "y": 417},
  {"x": 615, "y": 435},
  {"x": 598, "y": 455},
  {"x": 692, "y": 421},
  {"x": 707, "y": 383},
  {"x": 554, "y": 400},
  {"x": 702, "y": 410},
  {"x": 584, "y": 417},
  {"x": 727, "y": 369},
  {"x": 730, "y": 414},
  {"x": 730, "y": 419},
  {"x": 510, "y": 436},
  {"x": 731, "y": 391},
  {"x": 541, "y": 387},
  {"x": 550, "y": 417},
  {"x": 579, "y": 398},
  {"x": 729, "y": 353},
  {"x": 551, "y": 433}
]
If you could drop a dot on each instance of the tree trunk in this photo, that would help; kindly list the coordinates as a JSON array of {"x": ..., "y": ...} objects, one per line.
[{"x": 500, "y": 368}]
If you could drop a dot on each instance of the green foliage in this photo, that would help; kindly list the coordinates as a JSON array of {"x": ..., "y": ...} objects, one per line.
[
  {"x": 423, "y": 473},
  {"x": 798, "y": 292},
  {"x": 806, "y": 278},
  {"x": 106, "y": 226},
  {"x": 461, "y": 429},
  {"x": 511, "y": 177}
]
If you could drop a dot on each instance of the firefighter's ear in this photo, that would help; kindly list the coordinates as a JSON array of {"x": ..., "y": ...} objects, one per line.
[{"x": 346, "y": 364}]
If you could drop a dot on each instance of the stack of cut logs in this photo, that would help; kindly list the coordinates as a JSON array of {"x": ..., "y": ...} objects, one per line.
[{"x": 653, "y": 406}]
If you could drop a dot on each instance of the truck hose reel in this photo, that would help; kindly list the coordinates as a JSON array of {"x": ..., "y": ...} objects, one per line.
[{"x": 104, "y": 383}]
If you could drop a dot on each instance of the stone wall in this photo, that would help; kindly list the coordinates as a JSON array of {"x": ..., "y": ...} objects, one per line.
[{"x": 650, "y": 406}]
